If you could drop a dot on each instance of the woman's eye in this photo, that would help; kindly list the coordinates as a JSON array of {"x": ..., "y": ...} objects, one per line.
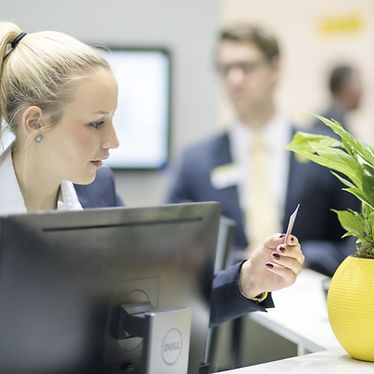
[{"x": 97, "y": 125}]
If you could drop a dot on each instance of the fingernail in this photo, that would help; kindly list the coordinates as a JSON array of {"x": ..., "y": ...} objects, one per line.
[
  {"x": 269, "y": 265},
  {"x": 282, "y": 248},
  {"x": 276, "y": 255},
  {"x": 282, "y": 235}
]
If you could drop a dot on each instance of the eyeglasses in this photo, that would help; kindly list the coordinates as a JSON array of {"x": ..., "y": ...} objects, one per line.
[{"x": 246, "y": 67}]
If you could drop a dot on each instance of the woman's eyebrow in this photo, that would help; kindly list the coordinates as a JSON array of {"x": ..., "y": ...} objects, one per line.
[{"x": 101, "y": 112}]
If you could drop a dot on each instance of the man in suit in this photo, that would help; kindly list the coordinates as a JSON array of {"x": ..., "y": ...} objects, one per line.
[
  {"x": 248, "y": 170},
  {"x": 221, "y": 168}
]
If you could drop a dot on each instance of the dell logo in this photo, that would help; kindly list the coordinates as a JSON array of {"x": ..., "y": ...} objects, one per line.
[{"x": 171, "y": 347}]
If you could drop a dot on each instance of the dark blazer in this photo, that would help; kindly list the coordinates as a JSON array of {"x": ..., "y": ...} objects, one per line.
[
  {"x": 309, "y": 184},
  {"x": 101, "y": 193},
  {"x": 227, "y": 301},
  {"x": 333, "y": 112}
]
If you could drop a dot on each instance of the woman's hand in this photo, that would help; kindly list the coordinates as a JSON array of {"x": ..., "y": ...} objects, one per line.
[{"x": 273, "y": 265}]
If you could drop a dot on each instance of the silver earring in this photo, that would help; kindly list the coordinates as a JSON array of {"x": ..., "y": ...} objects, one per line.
[{"x": 38, "y": 138}]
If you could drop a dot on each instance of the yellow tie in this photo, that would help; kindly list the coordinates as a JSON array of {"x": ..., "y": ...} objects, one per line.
[{"x": 262, "y": 211}]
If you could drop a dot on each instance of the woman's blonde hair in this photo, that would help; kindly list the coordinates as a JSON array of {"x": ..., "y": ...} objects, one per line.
[{"x": 40, "y": 70}]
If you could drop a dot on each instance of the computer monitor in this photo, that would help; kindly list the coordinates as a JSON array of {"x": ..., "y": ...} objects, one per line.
[
  {"x": 65, "y": 275},
  {"x": 143, "y": 115}
]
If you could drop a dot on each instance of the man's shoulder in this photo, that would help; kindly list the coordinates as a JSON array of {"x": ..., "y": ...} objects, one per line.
[
  {"x": 104, "y": 179},
  {"x": 208, "y": 146},
  {"x": 104, "y": 174},
  {"x": 99, "y": 193}
]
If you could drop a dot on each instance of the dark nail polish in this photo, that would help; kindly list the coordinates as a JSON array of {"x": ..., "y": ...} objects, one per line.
[
  {"x": 282, "y": 248},
  {"x": 276, "y": 255},
  {"x": 282, "y": 235},
  {"x": 269, "y": 265}
]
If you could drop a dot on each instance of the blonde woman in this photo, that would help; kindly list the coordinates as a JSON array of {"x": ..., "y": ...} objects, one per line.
[{"x": 58, "y": 97}]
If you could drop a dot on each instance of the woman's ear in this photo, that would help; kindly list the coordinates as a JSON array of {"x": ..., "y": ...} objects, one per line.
[{"x": 30, "y": 121}]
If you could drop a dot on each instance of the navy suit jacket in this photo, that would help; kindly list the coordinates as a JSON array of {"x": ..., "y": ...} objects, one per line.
[
  {"x": 333, "y": 112},
  {"x": 227, "y": 302},
  {"x": 309, "y": 184},
  {"x": 101, "y": 193}
]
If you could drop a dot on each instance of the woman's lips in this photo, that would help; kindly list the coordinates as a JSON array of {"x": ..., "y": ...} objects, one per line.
[{"x": 97, "y": 164}]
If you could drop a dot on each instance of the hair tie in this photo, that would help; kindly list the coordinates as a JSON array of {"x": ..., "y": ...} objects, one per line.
[{"x": 17, "y": 39}]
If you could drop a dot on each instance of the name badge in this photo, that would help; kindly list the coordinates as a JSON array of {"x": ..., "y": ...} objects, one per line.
[{"x": 225, "y": 176}]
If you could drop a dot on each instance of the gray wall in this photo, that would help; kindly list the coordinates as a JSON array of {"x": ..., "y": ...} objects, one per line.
[{"x": 186, "y": 27}]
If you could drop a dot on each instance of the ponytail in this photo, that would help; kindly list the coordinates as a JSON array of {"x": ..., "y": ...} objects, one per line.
[{"x": 8, "y": 32}]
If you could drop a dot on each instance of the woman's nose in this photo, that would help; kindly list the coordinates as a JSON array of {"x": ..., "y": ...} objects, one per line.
[{"x": 111, "y": 140}]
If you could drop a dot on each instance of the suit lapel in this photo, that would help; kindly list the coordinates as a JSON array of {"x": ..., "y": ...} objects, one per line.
[
  {"x": 229, "y": 196},
  {"x": 83, "y": 196}
]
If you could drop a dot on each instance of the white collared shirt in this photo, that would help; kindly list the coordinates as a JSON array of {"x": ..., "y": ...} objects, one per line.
[
  {"x": 276, "y": 134},
  {"x": 11, "y": 199}
]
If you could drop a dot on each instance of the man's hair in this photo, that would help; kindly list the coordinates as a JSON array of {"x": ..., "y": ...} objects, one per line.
[
  {"x": 262, "y": 38},
  {"x": 338, "y": 78}
]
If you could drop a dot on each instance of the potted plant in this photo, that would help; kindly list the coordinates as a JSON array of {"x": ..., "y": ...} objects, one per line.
[{"x": 351, "y": 295}]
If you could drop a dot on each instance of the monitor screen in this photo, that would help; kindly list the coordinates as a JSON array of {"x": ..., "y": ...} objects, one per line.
[
  {"x": 142, "y": 119},
  {"x": 64, "y": 276}
]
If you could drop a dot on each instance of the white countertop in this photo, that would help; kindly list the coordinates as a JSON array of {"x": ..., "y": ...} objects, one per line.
[
  {"x": 329, "y": 362},
  {"x": 300, "y": 314}
]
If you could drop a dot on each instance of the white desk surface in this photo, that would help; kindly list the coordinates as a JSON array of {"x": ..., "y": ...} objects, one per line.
[
  {"x": 300, "y": 314},
  {"x": 328, "y": 362}
]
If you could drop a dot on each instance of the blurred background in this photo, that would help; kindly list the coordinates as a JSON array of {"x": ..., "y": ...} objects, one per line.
[{"x": 314, "y": 36}]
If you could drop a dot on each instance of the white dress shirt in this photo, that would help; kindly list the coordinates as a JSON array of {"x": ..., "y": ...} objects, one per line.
[
  {"x": 11, "y": 199},
  {"x": 276, "y": 134}
]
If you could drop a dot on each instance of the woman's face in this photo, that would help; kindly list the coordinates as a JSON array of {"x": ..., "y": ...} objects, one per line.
[{"x": 76, "y": 146}]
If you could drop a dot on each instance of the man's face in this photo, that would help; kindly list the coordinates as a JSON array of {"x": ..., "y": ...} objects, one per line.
[
  {"x": 352, "y": 92},
  {"x": 248, "y": 77}
]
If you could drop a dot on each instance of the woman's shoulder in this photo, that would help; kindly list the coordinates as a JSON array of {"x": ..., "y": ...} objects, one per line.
[{"x": 101, "y": 192}]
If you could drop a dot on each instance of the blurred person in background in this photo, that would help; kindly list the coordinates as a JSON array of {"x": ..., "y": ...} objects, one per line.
[
  {"x": 247, "y": 169},
  {"x": 345, "y": 87}
]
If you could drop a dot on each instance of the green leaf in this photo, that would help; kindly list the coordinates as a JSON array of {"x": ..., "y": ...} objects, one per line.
[
  {"x": 339, "y": 160},
  {"x": 346, "y": 182},
  {"x": 371, "y": 223},
  {"x": 371, "y": 219},
  {"x": 335, "y": 126},
  {"x": 368, "y": 188},
  {"x": 304, "y": 142},
  {"x": 350, "y": 144},
  {"x": 352, "y": 222},
  {"x": 352, "y": 162},
  {"x": 360, "y": 195},
  {"x": 322, "y": 150}
]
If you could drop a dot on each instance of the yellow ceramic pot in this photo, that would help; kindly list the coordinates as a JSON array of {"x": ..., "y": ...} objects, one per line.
[{"x": 351, "y": 307}]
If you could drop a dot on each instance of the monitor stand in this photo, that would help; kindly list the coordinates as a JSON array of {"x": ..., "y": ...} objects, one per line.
[{"x": 165, "y": 333}]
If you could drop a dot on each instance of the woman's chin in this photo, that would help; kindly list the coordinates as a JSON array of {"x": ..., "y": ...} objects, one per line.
[{"x": 85, "y": 179}]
